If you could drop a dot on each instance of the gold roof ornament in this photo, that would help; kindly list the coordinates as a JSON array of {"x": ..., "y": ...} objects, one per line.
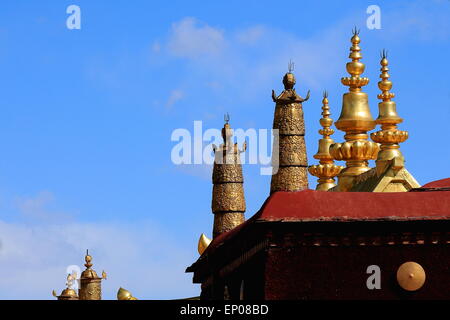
[
  {"x": 389, "y": 136},
  {"x": 355, "y": 120},
  {"x": 228, "y": 202},
  {"x": 68, "y": 293},
  {"x": 326, "y": 170},
  {"x": 203, "y": 243},
  {"x": 90, "y": 283},
  {"x": 289, "y": 161},
  {"x": 124, "y": 294}
]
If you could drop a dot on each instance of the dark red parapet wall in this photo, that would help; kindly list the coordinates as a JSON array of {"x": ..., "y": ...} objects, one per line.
[{"x": 310, "y": 205}]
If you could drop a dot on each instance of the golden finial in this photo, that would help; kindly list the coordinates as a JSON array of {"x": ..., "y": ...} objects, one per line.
[
  {"x": 385, "y": 84},
  {"x": 355, "y": 68},
  {"x": 68, "y": 293},
  {"x": 327, "y": 169},
  {"x": 326, "y": 121},
  {"x": 124, "y": 294},
  {"x": 289, "y": 78},
  {"x": 227, "y": 133},
  {"x": 389, "y": 136},
  {"x": 203, "y": 243},
  {"x": 355, "y": 120},
  {"x": 88, "y": 260}
]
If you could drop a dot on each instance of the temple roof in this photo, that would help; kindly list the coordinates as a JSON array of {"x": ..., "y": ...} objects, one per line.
[
  {"x": 311, "y": 205},
  {"x": 443, "y": 183}
]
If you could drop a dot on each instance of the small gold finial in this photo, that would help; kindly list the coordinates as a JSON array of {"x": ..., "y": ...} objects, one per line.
[
  {"x": 124, "y": 294},
  {"x": 355, "y": 68},
  {"x": 389, "y": 136},
  {"x": 289, "y": 78},
  {"x": 355, "y": 120},
  {"x": 68, "y": 293},
  {"x": 203, "y": 243},
  {"x": 385, "y": 84},
  {"x": 227, "y": 133},
  {"x": 88, "y": 260},
  {"x": 327, "y": 169},
  {"x": 326, "y": 121},
  {"x": 291, "y": 65}
]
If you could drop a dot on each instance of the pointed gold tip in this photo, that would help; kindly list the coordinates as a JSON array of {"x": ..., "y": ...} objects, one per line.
[
  {"x": 203, "y": 243},
  {"x": 54, "y": 294},
  {"x": 104, "y": 276}
]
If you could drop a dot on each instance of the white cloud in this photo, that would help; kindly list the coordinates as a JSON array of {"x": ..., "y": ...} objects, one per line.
[
  {"x": 141, "y": 256},
  {"x": 250, "y": 36},
  {"x": 174, "y": 96},
  {"x": 156, "y": 47},
  {"x": 138, "y": 257},
  {"x": 191, "y": 39},
  {"x": 419, "y": 21},
  {"x": 39, "y": 208},
  {"x": 248, "y": 58},
  {"x": 202, "y": 171}
]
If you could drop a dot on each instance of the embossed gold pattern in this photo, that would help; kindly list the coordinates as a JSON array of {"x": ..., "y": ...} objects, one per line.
[
  {"x": 228, "y": 201},
  {"x": 228, "y": 197},
  {"x": 290, "y": 164},
  {"x": 355, "y": 120},
  {"x": 292, "y": 178},
  {"x": 225, "y": 221},
  {"x": 326, "y": 170}
]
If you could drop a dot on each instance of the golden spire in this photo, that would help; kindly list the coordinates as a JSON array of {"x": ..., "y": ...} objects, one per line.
[
  {"x": 327, "y": 169},
  {"x": 203, "y": 243},
  {"x": 228, "y": 202},
  {"x": 289, "y": 156},
  {"x": 124, "y": 294},
  {"x": 389, "y": 136},
  {"x": 355, "y": 120},
  {"x": 90, "y": 283}
]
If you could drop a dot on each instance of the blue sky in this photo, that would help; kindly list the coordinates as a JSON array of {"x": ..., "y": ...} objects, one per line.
[{"x": 86, "y": 118}]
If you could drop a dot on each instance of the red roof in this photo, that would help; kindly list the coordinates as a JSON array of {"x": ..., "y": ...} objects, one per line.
[
  {"x": 443, "y": 183},
  {"x": 312, "y": 205}
]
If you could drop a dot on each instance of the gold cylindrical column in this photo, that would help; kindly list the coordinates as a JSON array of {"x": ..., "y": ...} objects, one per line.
[
  {"x": 290, "y": 162},
  {"x": 228, "y": 201},
  {"x": 90, "y": 283}
]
